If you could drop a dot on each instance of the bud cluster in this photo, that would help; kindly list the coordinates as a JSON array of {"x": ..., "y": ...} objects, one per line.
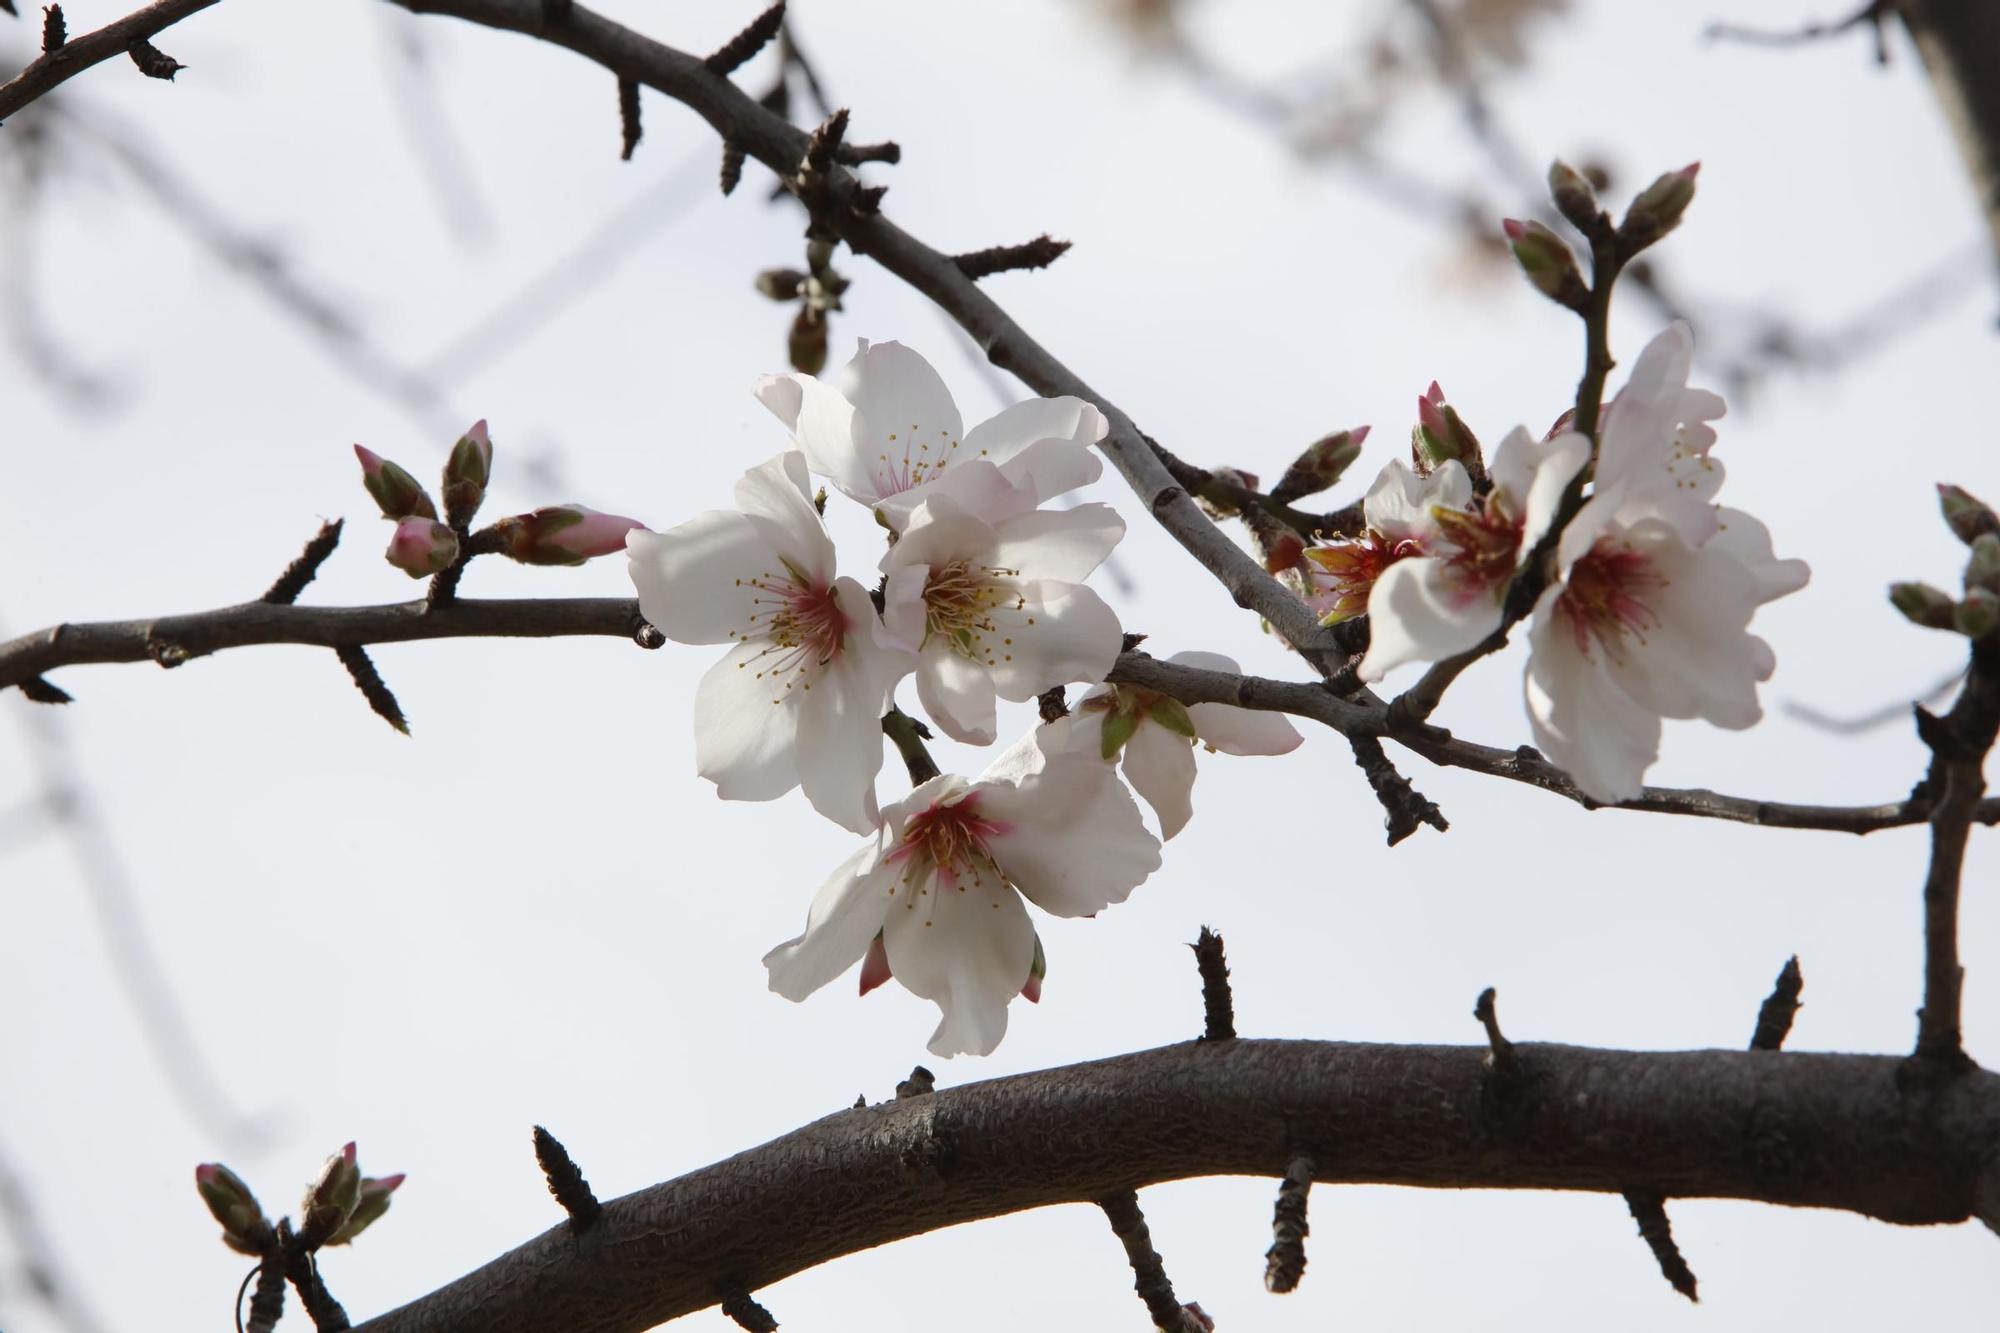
[
  {"x": 1976, "y": 613},
  {"x": 339, "y": 1205}
]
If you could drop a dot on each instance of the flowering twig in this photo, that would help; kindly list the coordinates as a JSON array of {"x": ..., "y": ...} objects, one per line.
[{"x": 78, "y": 54}]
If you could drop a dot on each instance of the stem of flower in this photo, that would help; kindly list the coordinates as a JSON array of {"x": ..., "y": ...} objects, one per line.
[{"x": 909, "y": 736}]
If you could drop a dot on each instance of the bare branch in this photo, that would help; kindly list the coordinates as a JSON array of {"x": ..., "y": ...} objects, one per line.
[
  {"x": 1649, "y": 1210},
  {"x": 1285, "y": 1261},
  {"x": 1149, "y": 1274},
  {"x": 1218, "y": 1006},
  {"x": 302, "y": 570},
  {"x": 79, "y": 54},
  {"x": 373, "y": 688},
  {"x": 749, "y": 42},
  {"x": 1041, "y": 252}
]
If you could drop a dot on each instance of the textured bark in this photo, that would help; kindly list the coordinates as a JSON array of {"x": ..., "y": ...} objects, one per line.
[
  {"x": 1960, "y": 44},
  {"x": 1834, "y": 1131},
  {"x": 78, "y": 54}
]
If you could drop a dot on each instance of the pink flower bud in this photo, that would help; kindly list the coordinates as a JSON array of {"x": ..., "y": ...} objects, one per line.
[
  {"x": 422, "y": 547},
  {"x": 466, "y": 473},
  {"x": 1038, "y": 969},
  {"x": 875, "y": 967},
  {"x": 562, "y": 535},
  {"x": 398, "y": 493},
  {"x": 230, "y": 1201},
  {"x": 373, "y": 1202},
  {"x": 331, "y": 1199}
]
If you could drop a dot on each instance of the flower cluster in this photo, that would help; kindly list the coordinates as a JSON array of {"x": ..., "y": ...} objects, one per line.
[
  {"x": 981, "y": 597},
  {"x": 1648, "y": 585}
]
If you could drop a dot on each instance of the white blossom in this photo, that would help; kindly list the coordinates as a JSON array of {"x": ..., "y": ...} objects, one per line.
[
  {"x": 798, "y": 699},
  {"x": 1648, "y": 616},
  {"x": 1396, "y": 520},
  {"x": 890, "y": 435},
  {"x": 941, "y": 885}
]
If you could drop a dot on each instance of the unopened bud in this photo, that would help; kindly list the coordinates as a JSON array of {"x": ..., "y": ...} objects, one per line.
[
  {"x": 1983, "y": 569},
  {"x": 1968, "y": 516},
  {"x": 1978, "y": 613},
  {"x": 1031, "y": 990},
  {"x": 806, "y": 344},
  {"x": 1573, "y": 196},
  {"x": 232, "y": 1204},
  {"x": 330, "y": 1200},
  {"x": 1441, "y": 435},
  {"x": 781, "y": 284},
  {"x": 466, "y": 473},
  {"x": 1658, "y": 209},
  {"x": 422, "y": 547},
  {"x": 875, "y": 965},
  {"x": 1320, "y": 466},
  {"x": 562, "y": 535},
  {"x": 398, "y": 493},
  {"x": 372, "y": 1203},
  {"x": 1921, "y": 604},
  {"x": 1548, "y": 263}
]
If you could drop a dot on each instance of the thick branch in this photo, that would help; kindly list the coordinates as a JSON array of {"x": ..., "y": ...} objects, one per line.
[
  {"x": 80, "y": 53},
  {"x": 1802, "y": 1129}
]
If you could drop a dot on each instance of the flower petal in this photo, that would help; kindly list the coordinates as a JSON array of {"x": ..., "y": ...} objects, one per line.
[
  {"x": 1415, "y": 615},
  {"x": 776, "y": 497},
  {"x": 691, "y": 578},
  {"x": 957, "y": 694},
  {"x": 905, "y": 423},
  {"x": 1581, "y": 721},
  {"x": 1160, "y": 767},
  {"x": 840, "y": 719},
  {"x": 1064, "y": 544},
  {"x": 746, "y": 727},
  {"x": 1234, "y": 730},
  {"x": 966, "y": 949},
  {"x": 1747, "y": 539},
  {"x": 1398, "y": 505},
  {"x": 1061, "y": 632},
  {"x": 1075, "y": 842},
  {"x": 845, "y": 915},
  {"x": 1694, "y": 657},
  {"x": 1013, "y": 429}
]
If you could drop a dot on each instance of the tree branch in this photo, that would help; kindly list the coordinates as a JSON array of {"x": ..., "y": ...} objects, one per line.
[
  {"x": 1960, "y": 46},
  {"x": 78, "y": 54},
  {"x": 1812, "y": 1130}
]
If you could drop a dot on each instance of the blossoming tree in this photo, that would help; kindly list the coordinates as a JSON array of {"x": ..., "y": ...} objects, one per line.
[{"x": 883, "y": 576}]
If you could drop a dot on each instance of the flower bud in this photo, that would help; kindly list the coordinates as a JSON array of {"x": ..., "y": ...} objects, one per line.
[
  {"x": 806, "y": 345},
  {"x": 466, "y": 473},
  {"x": 1548, "y": 263},
  {"x": 399, "y": 493},
  {"x": 1658, "y": 209},
  {"x": 781, "y": 284},
  {"x": 1320, "y": 466},
  {"x": 1573, "y": 196},
  {"x": 562, "y": 535},
  {"x": 1983, "y": 569},
  {"x": 372, "y": 1203},
  {"x": 422, "y": 547},
  {"x": 1921, "y": 604},
  {"x": 1031, "y": 990},
  {"x": 232, "y": 1204},
  {"x": 331, "y": 1199},
  {"x": 875, "y": 966},
  {"x": 1968, "y": 516},
  {"x": 1977, "y": 614},
  {"x": 1441, "y": 435}
]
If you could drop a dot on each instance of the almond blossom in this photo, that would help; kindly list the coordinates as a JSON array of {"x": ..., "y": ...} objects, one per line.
[
  {"x": 798, "y": 699},
  {"x": 987, "y": 590},
  {"x": 1451, "y": 596},
  {"x": 1396, "y": 519},
  {"x": 1156, "y": 737},
  {"x": 891, "y": 434},
  {"x": 935, "y": 897},
  {"x": 1648, "y": 615}
]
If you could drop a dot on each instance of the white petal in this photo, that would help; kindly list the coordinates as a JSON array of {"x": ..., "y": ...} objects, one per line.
[
  {"x": 1398, "y": 505},
  {"x": 1062, "y": 544},
  {"x": 1416, "y": 615},
  {"x": 957, "y": 694},
  {"x": 845, "y": 915},
  {"x": 840, "y": 720},
  {"x": 1013, "y": 429},
  {"x": 1556, "y": 465},
  {"x": 691, "y": 579},
  {"x": 746, "y": 727},
  {"x": 967, "y": 949},
  {"x": 905, "y": 422},
  {"x": 1061, "y": 632},
  {"x": 1053, "y": 467},
  {"x": 1696, "y": 658},
  {"x": 1749, "y": 541},
  {"x": 975, "y": 487},
  {"x": 1160, "y": 767},
  {"x": 782, "y": 394},
  {"x": 941, "y": 530},
  {"x": 776, "y": 498},
  {"x": 1075, "y": 841},
  {"x": 904, "y": 615},
  {"x": 1234, "y": 730},
  {"x": 1581, "y": 721}
]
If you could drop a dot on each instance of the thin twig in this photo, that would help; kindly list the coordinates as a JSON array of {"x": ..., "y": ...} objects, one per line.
[
  {"x": 747, "y": 43},
  {"x": 1041, "y": 252},
  {"x": 1501, "y": 1058},
  {"x": 1285, "y": 1261},
  {"x": 743, "y": 1308},
  {"x": 629, "y": 129},
  {"x": 1149, "y": 1274},
  {"x": 302, "y": 570},
  {"x": 373, "y": 688},
  {"x": 1774, "y": 1016},
  {"x": 1649, "y": 1210},
  {"x": 1405, "y": 809},
  {"x": 79, "y": 54},
  {"x": 909, "y": 736},
  {"x": 566, "y": 1182},
  {"x": 1217, "y": 1005}
]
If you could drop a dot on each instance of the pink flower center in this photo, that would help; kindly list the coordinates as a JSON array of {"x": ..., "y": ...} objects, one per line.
[
  {"x": 948, "y": 843},
  {"x": 1480, "y": 548},
  {"x": 959, "y": 599},
  {"x": 800, "y": 621},
  {"x": 1603, "y": 599},
  {"x": 912, "y": 458},
  {"x": 1344, "y": 573}
]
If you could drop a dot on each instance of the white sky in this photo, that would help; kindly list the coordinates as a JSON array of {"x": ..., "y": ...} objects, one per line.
[{"x": 533, "y": 911}]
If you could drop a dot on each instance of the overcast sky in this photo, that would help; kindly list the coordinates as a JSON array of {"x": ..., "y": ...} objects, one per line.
[{"x": 532, "y": 910}]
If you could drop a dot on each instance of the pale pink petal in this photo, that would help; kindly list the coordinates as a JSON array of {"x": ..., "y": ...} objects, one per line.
[
  {"x": 1694, "y": 656},
  {"x": 1747, "y": 540},
  {"x": 1585, "y": 724},
  {"x": 1063, "y": 544},
  {"x": 957, "y": 694},
  {"x": 905, "y": 422},
  {"x": 1398, "y": 505},
  {"x": 783, "y": 395},
  {"x": 1160, "y": 766},
  {"x": 904, "y": 617},
  {"x": 745, "y": 728},
  {"x": 840, "y": 719},
  {"x": 1556, "y": 464},
  {"x": 692, "y": 579},
  {"x": 1416, "y": 615},
  {"x": 1233, "y": 730},
  {"x": 1053, "y": 467},
  {"x": 966, "y": 949},
  {"x": 1014, "y": 428},
  {"x": 1075, "y": 841},
  {"x": 1060, "y": 633},
  {"x": 777, "y": 493},
  {"x": 845, "y": 915}
]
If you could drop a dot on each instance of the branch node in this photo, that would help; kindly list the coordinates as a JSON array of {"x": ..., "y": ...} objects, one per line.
[
  {"x": 1404, "y": 808},
  {"x": 646, "y": 634},
  {"x": 369, "y": 681},
  {"x": 739, "y": 1304},
  {"x": 738, "y": 49},
  {"x": 628, "y": 118},
  {"x": 1052, "y": 705},
  {"x": 54, "y": 31},
  {"x": 920, "y": 1083},
  {"x": 732, "y": 165},
  {"x": 1285, "y": 1261},
  {"x": 168, "y": 653},
  {"x": 152, "y": 61},
  {"x": 1218, "y": 1006},
  {"x": 1649, "y": 1210},
  {"x": 42, "y": 691},
  {"x": 566, "y": 1183},
  {"x": 1149, "y": 1274},
  {"x": 1774, "y": 1018},
  {"x": 1041, "y": 252},
  {"x": 303, "y": 569},
  {"x": 1502, "y": 1059}
]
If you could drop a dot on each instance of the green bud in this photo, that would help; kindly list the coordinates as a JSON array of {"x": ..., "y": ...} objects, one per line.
[
  {"x": 331, "y": 1199},
  {"x": 1173, "y": 715},
  {"x": 398, "y": 493},
  {"x": 373, "y": 1202},
  {"x": 231, "y": 1203},
  {"x": 1921, "y": 604},
  {"x": 1977, "y": 614},
  {"x": 807, "y": 343},
  {"x": 1573, "y": 196},
  {"x": 1118, "y": 728},
  {"x": 1658, "y": 209},
  {"x": 1320, "y": 466},
  {"x": 466, "y": 473},
  {"x": 1983, "y": 569},
  {"x": 1968, "y": 516},
  {"x": 1442, "y": 435},
  {"x": 1548, "y": 263}
]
